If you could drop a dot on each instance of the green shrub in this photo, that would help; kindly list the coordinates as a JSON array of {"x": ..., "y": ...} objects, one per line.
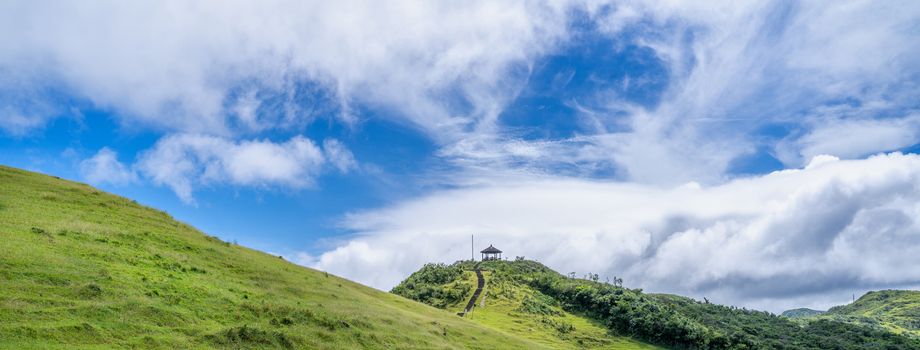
[
  {"x": 438, "y": 285},
  {"x": 560, "y": 326},
  {"x": 538, "y": 305}
]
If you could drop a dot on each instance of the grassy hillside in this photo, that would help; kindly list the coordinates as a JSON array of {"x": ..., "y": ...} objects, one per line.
[
  {"x": 669, "y": 320},
  {"x": 895, "y": 310},
  {"x": 80, "y": 268},
  {"x": 511, "y": 307}
]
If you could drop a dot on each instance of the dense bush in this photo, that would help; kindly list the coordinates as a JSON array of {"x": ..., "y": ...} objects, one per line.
[{"x": 435, "y": 284}]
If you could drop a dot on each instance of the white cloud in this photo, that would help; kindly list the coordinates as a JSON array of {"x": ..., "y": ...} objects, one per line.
[
  {"x": 22, "y": 110},
  {"x": 852, "y": 138},
  {"x": 104, "y": 167},
  {"x": 339, "y": 156},
  {"x": 14, "y": 122},
  {"x": 186, "y": 160},
  {"x": 735, "y": 67},
  {"x": 224, "y": 68},
  {"x": 825, "y": 231},
  {"x": 203, "y": 67}
]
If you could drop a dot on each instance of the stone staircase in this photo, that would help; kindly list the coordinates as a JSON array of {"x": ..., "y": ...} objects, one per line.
[{"x": 480, "y": 283}]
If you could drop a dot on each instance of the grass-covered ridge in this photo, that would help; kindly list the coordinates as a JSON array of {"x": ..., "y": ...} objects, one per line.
[
  {"x": 669, "y": 320},
  {"x": 894, "y": 310},
  {"x": 80, "y": 268}
]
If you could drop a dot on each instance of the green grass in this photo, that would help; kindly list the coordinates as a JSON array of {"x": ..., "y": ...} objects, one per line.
[
  {"x": 80, "y": 268},
  {"x": 894, "y": 310}
]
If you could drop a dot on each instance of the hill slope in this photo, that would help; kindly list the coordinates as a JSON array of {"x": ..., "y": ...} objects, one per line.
[
  {"x": 669, "y": 320},
  {"x": 895, "y": 310},
  {"x": 80, "y": 268},
  {"x": 511, "y": 307}
]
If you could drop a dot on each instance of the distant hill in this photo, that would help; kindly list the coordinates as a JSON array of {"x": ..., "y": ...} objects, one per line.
[
  {"x": 894, "y": 310},
  {"x": 801, "y": 312},
  {"x": 526, "y": 298},
  {"x": 80, "y": 268}
]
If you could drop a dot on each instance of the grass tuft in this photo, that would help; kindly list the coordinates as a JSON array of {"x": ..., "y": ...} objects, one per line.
[
  {"x": 246, "y": 336},
  {"x": 91, "y": 290}
]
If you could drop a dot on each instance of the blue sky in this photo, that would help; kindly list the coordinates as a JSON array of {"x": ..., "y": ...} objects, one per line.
[
  {"x": 302, "y": 217},
  {"x": 659, "y": 142}
]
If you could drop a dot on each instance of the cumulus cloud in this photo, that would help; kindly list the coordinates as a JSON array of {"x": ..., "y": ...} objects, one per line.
[
  {"x": 185, "y": 161},
  {"x": 104, "y": 167},
  {"x": 819, "y": 232}
]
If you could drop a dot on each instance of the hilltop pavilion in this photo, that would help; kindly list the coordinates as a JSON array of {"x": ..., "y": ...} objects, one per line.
[{"x": 491, "y": 253}]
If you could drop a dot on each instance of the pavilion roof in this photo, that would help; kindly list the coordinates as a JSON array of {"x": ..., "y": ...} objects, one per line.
[{"x": 491, "y": 249}]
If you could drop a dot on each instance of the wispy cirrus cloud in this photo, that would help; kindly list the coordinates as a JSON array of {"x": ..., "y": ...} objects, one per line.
[
  {"x": 235, "y": 70},
  {"x": 733, "y": 71},
  {"x": 450, "y": 71},
  {"x": 739, "y": 68}
]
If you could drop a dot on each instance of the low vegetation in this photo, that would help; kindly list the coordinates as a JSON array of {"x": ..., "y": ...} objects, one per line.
[{"x": 82, "y": 269}]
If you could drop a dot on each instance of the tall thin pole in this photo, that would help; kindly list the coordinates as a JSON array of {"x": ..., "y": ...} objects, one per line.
[{"x": 472, "y": 250}]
